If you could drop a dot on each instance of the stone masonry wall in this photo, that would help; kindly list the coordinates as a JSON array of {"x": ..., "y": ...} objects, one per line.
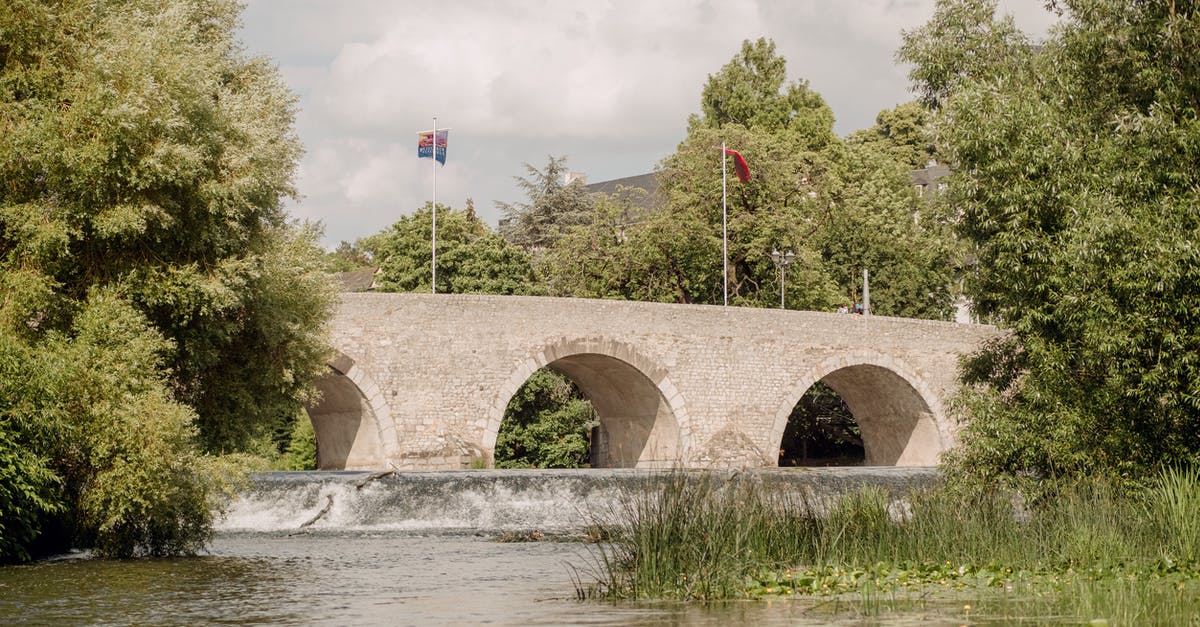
[{"x": 447, "y": 365}]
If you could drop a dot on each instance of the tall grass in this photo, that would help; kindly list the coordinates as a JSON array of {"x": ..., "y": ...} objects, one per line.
[
  {"x": 706, "y": 536},
  {"x": 698, "y": 537},
  {"x": 1174, "y": 502}
]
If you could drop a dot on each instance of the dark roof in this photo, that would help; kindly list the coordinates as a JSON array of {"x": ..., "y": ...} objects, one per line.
[
  {"x": 930, "y": 175},
  {"x": 360, "y": 280},
  {"x": 640, "y": 204},
  {"x": 648, "y": 182}
]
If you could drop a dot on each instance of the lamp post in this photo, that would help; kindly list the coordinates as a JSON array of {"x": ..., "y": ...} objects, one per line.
[{"x": 782, "y": 261}]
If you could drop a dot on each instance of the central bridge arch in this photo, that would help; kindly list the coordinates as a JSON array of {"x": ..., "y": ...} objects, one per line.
[{"x": 643, "y": 418}]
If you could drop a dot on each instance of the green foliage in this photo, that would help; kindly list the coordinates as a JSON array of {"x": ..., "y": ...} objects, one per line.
[
  {"x": 1076, "y": 182},
  {"x": 146, "y": 268},
  {"x": 547, "y": 424},
  {"x": 904, "y": 133},
  {"x": 694, "y": 537},
  {"x": 1174, "y": 501},
  {"x": 124, "y": 453},
  {"x": 28, "y": 483},
  {"x": 839, "y": 207},
  {"x": 471, "y": 258},
  {"x": 963, "y": 42},
  {"x": 347, "y": 257},
  {"x": 751, "y": 92},
  {"x": 258, "y": 359},
  {"x": 301, "y": 452},
  {"x": 878, "y": 223},
  {"x": 821, "y": 430},
  {"x": 664, "y": 257},
  {"x": 554, "y": 206}
]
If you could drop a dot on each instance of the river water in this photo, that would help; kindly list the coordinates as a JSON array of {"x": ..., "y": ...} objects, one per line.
[{"x": 349, "y": 549}]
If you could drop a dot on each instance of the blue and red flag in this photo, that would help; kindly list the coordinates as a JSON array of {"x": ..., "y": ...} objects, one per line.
[
  {"x": 739, "y": 165},
  {"x": 430, "y": 143}
]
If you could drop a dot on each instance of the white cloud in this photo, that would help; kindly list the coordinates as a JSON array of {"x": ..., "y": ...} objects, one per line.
[{"x": 609, "y": 83}]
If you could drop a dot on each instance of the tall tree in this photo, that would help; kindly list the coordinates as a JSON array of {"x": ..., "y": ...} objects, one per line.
[
  {"x": 751, "y": 91},
  {"x": 144, "y": 253},
  {"x": 879, "y": 224},
  {"x": 555, "y": 205},
  {"x": 1076, "y": 179}
]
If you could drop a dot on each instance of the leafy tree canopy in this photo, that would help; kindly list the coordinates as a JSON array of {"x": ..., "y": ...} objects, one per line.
[
  {"x": 840, "y": 208},
  {"x": 964, "y": 41},
  {"x": 547, "y": 424},
  {"x": 146, "y": 261},
  {"x": 1076, "y": 179},
  {"x": 471, "y": 258},
  {"x": 752, "y": 91},
  {"x": 904, "y": 133}
]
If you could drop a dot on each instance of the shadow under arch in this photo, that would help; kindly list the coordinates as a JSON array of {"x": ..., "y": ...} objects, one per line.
[
  {"x": 643, "y": 420},
  {"x": 350, "y": 419},
  {"x": 899, "y": 415}
]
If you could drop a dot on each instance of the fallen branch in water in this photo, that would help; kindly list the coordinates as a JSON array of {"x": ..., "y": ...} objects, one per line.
[
  {"x": 375, "y": 476},
  {"x": 325, "y": 510}
]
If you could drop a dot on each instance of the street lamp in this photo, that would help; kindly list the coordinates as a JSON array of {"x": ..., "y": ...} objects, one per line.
[{"x": 782, "y": 261}]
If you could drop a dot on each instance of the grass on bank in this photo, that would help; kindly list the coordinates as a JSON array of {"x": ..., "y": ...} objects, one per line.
[{"x": 1085, "y": 549}]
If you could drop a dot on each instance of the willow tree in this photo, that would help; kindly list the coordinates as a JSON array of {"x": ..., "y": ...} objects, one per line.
[{"x": 154, "y": 302}]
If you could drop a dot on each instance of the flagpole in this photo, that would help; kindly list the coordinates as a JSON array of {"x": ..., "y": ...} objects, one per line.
[
  {"x": 724, "y": 235},
  {"x": 433, "y": 283}
]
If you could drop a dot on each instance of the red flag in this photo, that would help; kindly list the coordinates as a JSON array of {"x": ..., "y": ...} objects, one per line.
[{"x": 739, "y": 164}]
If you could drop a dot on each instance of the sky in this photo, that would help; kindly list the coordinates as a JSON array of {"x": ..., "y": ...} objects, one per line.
[{"x": 609, "y": 84}]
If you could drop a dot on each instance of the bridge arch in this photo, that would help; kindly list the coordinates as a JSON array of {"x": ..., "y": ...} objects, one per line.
[
  {"x": 643, "y": 415},
  {"x": 900, "y": 416},
  {"x": 352, "y": 420}
]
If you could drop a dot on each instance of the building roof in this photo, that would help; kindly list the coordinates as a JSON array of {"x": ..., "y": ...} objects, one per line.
[
  {"x": 929, "y": 175},
  {"x": 360, "y": 280},
  {"x": 648, "y": 182},
  {"x": 640, "y": 204}
]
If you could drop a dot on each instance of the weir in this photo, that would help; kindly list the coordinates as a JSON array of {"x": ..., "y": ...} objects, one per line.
[{"x": 495, "y": 501}]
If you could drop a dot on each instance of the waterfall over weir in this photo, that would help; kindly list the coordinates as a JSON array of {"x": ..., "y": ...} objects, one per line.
[{"x": 493, "y": 501}]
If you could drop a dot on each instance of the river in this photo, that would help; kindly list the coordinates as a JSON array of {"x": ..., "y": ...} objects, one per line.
[{"x": 351, "y": 549}]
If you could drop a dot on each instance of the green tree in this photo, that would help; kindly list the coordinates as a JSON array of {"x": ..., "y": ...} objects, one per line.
[
  {"x": 879, "y": 224},
  {"x": 1076, "y": 179},
  {"x": 662, "y": 257},
  {"x": 963, "y": 42},
  {"x": 904, "y": 133},
  {"x": 785, "y": 132},
  {"x": 301, "y": 452},
  {"x": 751, "y": 91},
  {"x": 144, "y": 159},
  {"x": 840, "y": 207},
  {"x": 347, "y": 257},
  {"x": 554, "y": 206},
  {"x": 472, "y": 259},
  {"x": 547, "y": 424}
]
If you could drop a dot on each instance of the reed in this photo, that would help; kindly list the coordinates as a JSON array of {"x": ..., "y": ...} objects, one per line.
[{"x": 1086, "y": 549}]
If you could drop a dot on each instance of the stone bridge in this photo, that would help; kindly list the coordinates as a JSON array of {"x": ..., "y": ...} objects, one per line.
[{"x": 421, "y": 381}]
